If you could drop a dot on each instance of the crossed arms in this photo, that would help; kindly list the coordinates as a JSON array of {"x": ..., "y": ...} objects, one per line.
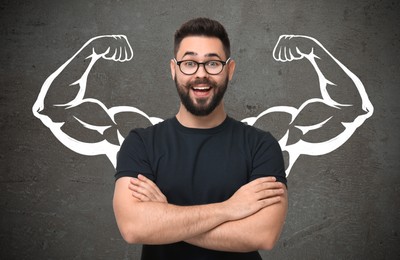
[{"x": 251, "y": 219}]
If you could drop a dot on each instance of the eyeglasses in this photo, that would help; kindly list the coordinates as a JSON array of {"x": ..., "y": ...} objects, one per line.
[{"x": 212, "y": 67}]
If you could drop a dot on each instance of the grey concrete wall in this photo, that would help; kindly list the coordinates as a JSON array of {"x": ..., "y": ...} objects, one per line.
[{"x": 56, "y": 204}]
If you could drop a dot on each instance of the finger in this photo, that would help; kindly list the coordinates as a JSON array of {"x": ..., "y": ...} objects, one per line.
[
  {"x": 270, "y": 183},
  {"x": 140, "y": 196},
  {"x": 129, "y": 51},
  {"x": 144, "y": 191},
  {"x": 269, "y": 201},
  {"x": 134, "y": 185},
  {"x": 125, "y": 55},
  {"x": 263, "y": 180},
  {"x": 148, "y": 188},
  {"x": 270, "y": 193},
  {"x": 292, "y": 57},
  {"x": 120, "y": 57},
  {"x": 269, "y": 186},
  {"x": 280, "y": 54},
  {"x": 151, "y": 187},
  {"x": 285, "y": 53},
  {"x": 116, "y": 54},
  {"x": 142, "y": 177},
  {"x": 146, "y": 182},
  {"x": 135, "y": 181},
  {"x": 275, "y": 52},
  {"x": 151, "y": 184},
  {"x": 141, "y": 187},
  {"x": 289, "y": 54}
]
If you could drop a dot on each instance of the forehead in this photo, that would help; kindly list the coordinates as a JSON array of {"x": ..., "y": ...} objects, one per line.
[{"x": 200, "y": 46}]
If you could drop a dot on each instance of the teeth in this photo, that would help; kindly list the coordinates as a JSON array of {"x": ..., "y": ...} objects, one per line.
[{"x": 201, "y": 88}]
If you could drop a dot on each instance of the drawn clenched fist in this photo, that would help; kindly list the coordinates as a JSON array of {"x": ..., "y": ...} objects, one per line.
[
  {"x": 112, "y": 47},
  {"x": 294, "y": 47}
]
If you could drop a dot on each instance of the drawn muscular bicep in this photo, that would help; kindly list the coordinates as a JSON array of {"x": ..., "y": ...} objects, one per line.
[
  {"x": 277, "y": 123},
  {"x": 317, "y": 122},
  {"x": 128, "y": 120},
  {"x": 89, "y": 122}
]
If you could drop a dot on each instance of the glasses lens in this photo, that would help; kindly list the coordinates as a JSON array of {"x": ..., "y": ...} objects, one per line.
[
  {"x": 214, "y": 66},
  {"x": 188, "y": 66}
]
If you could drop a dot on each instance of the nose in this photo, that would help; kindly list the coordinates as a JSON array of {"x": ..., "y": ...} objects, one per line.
[{"x": 201, "y": 71}]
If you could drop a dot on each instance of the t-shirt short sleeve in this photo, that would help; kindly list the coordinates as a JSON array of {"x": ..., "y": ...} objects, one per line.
[
  {"x": 268, "y": 159},
  {"x": 132, "y": 158}
]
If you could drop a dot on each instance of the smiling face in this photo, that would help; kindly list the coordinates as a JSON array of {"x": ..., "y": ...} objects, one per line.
[{"x": 201, "y": 93}]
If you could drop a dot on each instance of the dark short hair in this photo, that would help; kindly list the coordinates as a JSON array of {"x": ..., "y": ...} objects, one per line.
[{"x": 202, "y": 27}]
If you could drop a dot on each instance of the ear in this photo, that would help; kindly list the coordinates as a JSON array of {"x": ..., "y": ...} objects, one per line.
[
  {"x": 172, "y": 66},
  {"x": 231, "y": 68}
]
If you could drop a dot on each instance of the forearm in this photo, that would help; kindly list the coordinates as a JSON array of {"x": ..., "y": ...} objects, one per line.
[
  {"x": 144, "y": 217},
  {"x": 162, "y": 223},
  {"x": 258, "y": 231}
]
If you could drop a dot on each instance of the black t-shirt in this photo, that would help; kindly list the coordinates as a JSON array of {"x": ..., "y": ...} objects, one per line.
[{"x": 199, "y": 166}]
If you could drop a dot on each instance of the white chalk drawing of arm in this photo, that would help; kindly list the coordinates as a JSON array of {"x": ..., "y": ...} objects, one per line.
[
  {"x": 296, "y": 47},
  {"x": 108, "y": 47}
]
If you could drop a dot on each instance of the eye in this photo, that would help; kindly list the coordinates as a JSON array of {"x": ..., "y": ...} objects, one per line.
[
  {"x": 213, "y": 63},
  {"x": 189, "y": 64}
]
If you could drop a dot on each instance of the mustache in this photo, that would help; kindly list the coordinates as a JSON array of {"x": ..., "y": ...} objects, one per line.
[{"x": 201, "y": 81}]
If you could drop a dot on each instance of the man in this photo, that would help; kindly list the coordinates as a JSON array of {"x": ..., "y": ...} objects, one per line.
[{"x": 200, "y": 185}]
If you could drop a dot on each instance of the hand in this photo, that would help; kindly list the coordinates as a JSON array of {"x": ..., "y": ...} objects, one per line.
[
  {"x": 294, "y": 47},
  {"x": 145, "y": 190},
  {"x": 254, "y": 196}
]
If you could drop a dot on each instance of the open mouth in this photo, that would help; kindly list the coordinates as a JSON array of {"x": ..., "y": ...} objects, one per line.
[{"x": 201, "y": 89}]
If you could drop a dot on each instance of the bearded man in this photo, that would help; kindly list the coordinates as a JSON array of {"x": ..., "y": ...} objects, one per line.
[{"x": 201, "y": 185}]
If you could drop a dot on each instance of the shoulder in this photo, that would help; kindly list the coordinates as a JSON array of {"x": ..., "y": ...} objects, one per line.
[
  {"x": 264, "y": 151},
  {"x": 151, "y": 130},
  {"x": 251, "y": 132},
  {"x": 139, "y": 137},
  {"x": 260, "y": 143}
]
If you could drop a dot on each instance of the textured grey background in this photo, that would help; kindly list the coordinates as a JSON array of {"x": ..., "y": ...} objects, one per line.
[{"x": 56, "y": 204}]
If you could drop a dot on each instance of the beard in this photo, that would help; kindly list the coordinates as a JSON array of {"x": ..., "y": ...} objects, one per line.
[{"x": 201, "y": 106}]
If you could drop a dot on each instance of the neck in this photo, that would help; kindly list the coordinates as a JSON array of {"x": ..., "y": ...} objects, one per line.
[{"x": 215, "y": 118}]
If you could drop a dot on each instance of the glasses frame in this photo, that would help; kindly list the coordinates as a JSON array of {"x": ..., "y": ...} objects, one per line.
[{"x": 204, "y": 65}]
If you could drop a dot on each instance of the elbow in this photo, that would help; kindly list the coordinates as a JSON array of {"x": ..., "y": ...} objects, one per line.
[
  {"x": 130, "y": 234},
  {"x": 268, "y": 245},
  {"x": 269, "y": 242}
]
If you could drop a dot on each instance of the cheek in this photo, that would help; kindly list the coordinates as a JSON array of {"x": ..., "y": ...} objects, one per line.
[
  {"x": 184, "y": 80},
  {"x": 221, "y": 81},
  {"x": 181, "y": 82}
]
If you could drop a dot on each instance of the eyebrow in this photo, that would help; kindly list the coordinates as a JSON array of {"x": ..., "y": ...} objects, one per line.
[{"x": 191, "y": 53}]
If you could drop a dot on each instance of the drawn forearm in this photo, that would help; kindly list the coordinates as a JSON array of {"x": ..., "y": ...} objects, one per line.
[
  {"x": 339, "y": 87},
  {"x": 71, "y": 77}
]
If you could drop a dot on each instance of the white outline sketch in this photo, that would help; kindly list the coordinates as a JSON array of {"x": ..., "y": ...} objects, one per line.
[{"x": 286, "y": 49}]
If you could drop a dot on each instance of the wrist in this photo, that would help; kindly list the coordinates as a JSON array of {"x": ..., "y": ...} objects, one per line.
[{"x": 225, "y": 211}]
